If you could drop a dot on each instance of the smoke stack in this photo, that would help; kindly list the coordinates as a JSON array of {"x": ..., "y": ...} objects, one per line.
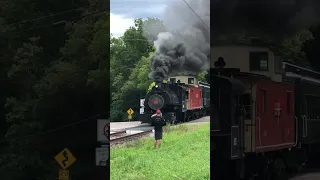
[{"x": 159, "y": 84}]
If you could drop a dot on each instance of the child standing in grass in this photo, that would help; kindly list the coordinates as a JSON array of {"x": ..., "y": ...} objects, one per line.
[{"x": 158, "y": 121}]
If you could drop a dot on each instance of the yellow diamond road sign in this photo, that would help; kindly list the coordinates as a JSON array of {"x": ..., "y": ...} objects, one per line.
[
  {"x": 65, "y": 158},
  {"x": 130, "y": 111},
  {"x": 64, "y": 174}
]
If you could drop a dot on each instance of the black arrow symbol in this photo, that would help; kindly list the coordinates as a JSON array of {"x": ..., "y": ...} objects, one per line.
[{"x": 65, "y": 155}]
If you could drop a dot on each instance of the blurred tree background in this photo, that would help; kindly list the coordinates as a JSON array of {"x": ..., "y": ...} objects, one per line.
[{"x": 54, "y": 71}]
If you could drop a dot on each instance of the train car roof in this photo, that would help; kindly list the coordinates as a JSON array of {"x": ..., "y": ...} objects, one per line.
[
  {"x": 203, "y": 84},
  {"x": 292, "y": 71},
  {"x": 289, "y": 67},
  {"x": 236, "y": 84}
]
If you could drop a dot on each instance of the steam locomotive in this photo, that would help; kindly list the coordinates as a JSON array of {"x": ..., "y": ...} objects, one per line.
[
  {"x": 182, "y": 99},
  {"x": 261, "y": 129}
]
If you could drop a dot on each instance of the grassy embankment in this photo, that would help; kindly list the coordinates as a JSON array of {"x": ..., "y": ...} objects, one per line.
[{"x": 184, "y": 155}]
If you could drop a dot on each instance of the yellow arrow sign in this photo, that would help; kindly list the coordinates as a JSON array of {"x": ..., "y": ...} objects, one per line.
[
  {"x": 65, "y": 158},
  {"x": 130, "y": 111}
]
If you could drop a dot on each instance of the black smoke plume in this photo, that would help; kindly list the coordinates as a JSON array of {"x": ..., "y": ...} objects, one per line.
[
  {"x": 185, "y": 46},
  {"x": 274, "y": 18}
]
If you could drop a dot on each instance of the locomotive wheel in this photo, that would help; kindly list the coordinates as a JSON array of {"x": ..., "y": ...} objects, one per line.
[
  {"x": 279, "y": 171},
  {"x": 258, "y": 168},
  {"x": 170, "y": 117},
  {"x": 194, "y": 116},
  {"x": 198, "y": 115},
  {"x": 264, "y": 174}
]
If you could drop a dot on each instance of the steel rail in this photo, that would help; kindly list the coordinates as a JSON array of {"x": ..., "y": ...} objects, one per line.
[
  {"x": 130, "y": 136},
  {"x": 117, "y": 133}
]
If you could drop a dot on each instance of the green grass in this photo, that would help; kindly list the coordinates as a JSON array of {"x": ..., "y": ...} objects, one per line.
[{"x": 184, "y": 155}]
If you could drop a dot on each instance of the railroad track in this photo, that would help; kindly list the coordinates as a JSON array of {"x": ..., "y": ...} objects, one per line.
[
  {"x": 117, "y": 134},
  {"x": 123, "y": 139}
]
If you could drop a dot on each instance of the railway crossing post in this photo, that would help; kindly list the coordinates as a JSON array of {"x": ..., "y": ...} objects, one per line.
[
  {"x": 102, "y": 149},
  {"x": 102, "y": 152}
]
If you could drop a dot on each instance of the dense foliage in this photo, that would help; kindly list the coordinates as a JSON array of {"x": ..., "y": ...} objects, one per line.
[{"x": 53, "y": 72}]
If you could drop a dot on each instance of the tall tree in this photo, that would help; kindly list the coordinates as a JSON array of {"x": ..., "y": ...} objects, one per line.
[
  {"x": 59, "y": 75},
  {"x": 292, "y": 49},
  {"x": 127, "y": 55}
]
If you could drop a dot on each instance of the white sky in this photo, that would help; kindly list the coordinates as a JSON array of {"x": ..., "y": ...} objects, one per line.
[
  {"x": 119, "y": 24},
  {"x": 124, "y": 12}
]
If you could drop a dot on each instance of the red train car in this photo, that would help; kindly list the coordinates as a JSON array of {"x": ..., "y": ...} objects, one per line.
[
  {"x": 275, "y": 121},
  {"x": 256, "y": 124},
  {"x": 195, "y": 98}
]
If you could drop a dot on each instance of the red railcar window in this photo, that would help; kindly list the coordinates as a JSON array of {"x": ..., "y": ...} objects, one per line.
[
  {"x": 312, "y": 106},
  {"x": 264, "y": 100},
  {"x": 289, "y": 101},
  {"x": 190, "y": 80},
  {"x": 259, "y": 61}
]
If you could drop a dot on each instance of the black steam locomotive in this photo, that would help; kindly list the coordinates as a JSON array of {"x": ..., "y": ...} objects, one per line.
[{"x": 182, "y": 99}]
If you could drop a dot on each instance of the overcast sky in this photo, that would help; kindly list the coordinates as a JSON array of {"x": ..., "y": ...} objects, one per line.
[{"x": 123, "y": 13}]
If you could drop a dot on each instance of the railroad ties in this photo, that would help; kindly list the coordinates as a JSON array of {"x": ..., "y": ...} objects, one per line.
[{"x": 123, "y": 137}]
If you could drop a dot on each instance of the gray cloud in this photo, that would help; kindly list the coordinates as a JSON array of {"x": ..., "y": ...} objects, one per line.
[
  {"x": 185, "y": 46},
  {"x": 138, "y": 8}
]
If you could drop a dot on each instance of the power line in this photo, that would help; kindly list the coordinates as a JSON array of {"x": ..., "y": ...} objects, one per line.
[
  {"x": 53, "y": 130},
  {"x": 59, "y": 22},
  {"x": 127, "y": 2},
  {"x": 196, "y": 14},
  {"x": 143, "y": 40},
  {"x": 131, "y": 39},
  {"x": 51, "y": 15}
]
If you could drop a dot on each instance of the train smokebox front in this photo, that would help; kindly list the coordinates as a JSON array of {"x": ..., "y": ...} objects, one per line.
[{"x": 156, "y": 101}]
